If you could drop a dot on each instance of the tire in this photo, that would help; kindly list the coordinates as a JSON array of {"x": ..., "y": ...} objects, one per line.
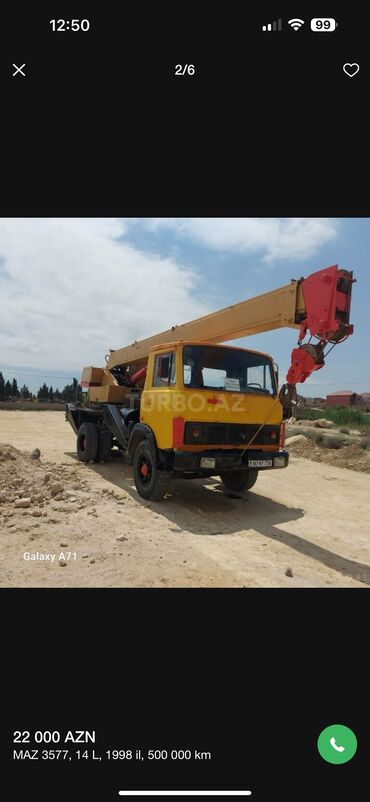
[
  {"x": 105, "y": 445},
  {"x": 87, "y": 442},
  {"x": 151, "y": 483},
  {"x": 238, "y": 481}
]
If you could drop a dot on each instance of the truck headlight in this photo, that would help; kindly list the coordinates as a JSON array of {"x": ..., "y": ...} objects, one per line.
[{"x": 279, "y": 462}]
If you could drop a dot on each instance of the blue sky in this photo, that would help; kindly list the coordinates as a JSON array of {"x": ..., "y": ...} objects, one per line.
[{"x": 70, "y": 289}]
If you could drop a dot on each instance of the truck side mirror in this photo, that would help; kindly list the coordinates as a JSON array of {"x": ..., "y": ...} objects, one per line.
[
  {"x": 276, "y": 371},
  {"x": 164, "y": 368}
]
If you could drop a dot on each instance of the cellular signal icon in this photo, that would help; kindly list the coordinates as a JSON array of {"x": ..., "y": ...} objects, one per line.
[
  {"x": 273, "y": 26},
  {"x": 296, "y": 24}
]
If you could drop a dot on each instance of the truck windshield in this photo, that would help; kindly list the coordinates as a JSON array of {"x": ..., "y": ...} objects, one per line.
[{"x": 228, "y": 369}]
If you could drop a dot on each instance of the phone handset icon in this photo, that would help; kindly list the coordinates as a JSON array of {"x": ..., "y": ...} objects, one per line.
[{"x": 334, "y": 745}]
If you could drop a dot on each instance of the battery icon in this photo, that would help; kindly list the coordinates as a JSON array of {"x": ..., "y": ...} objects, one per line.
[{"x": 323, "y": 24}]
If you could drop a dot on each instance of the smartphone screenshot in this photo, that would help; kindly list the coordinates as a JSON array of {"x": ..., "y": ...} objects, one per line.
[{"x": 184, "y": 402}]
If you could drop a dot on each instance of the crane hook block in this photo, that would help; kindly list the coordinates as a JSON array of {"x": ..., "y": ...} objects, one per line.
[{"x": 305, "y": 359}]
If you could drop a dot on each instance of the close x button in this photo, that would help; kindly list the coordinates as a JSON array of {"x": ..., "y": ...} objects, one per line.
[{"x": 19, "y": 70}]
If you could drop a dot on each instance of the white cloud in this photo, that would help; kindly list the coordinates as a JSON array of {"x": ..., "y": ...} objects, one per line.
[
  {"x": 70, "y": 289},
  {"x": 274, "y": 238}
]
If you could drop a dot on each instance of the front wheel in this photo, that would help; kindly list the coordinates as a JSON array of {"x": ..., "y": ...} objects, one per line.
[
  {"x": 238, "y": 481},
  {"x": 151, "y": 483}
]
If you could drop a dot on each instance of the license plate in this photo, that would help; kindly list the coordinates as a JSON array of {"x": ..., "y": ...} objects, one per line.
[
  {"x": 260, "y": 463},
  {"x": 207, "y": 462}
]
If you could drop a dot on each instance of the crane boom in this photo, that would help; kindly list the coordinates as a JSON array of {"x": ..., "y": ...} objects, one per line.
[
  {"x": 272, "y": 310},
  {"x": 319, "y": 303}
]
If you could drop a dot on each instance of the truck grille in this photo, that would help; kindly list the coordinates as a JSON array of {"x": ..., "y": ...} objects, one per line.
[{"x": 229, "y": 434}]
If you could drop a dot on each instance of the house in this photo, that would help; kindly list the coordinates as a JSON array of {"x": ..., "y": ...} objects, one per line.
[
  {"x": 365, "y": 401},
  {"x": 342, "y": 398}
]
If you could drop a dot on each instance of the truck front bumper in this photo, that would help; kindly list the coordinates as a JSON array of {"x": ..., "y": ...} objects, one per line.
[{"x": 215, "y": 461}]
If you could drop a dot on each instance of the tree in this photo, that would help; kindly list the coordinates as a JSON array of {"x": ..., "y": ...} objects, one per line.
[
  {"x": 51, "y": 394},
  {"x": 15, "y": 388},
  {"x": 72, "y": 391},
  {"x": 7, "y": 391},
  {"x": 24, "y": 392},
  {"x": 43, "y": 393},
  {"x": 2, "y": 385},
  {"x": 57, "y": 395}
]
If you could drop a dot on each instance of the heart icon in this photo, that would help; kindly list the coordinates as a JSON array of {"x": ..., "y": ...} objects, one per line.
[{"x": 351, "y": 69}]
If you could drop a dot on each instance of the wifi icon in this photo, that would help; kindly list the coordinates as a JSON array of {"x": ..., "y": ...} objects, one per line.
[{"x": 296, "y": 24}]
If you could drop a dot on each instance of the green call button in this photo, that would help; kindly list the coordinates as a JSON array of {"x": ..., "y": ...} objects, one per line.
[{"x": 337, "y": 744}]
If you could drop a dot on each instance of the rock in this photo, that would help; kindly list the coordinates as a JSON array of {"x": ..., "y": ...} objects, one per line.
[
  {"x": 62, "y": 563},
  {"x": 55, "y": 487},
  {"x": 355, "y": 432},
  {"x": 36, "y": 513},
  {"x": 36, "y": 453},
  {"x": 37, "y": 498},
  {"x": 63, "y": 545},
  {"x": 291, "y": 420},
  {"x": 297, "y": 438},
  {"x": 22, "y": 502},
  {"x": 121, "y": 538},
  {"x": 84, "y": 556},
  {"x": 288, "y": 572},
  {"x": 17, "y": 482},
  {"x": 3, "y": 498},
  {"x": 92, "y": 560},
  {"x": 47, "y": 478},
  {"x": 322, "y": 423}
]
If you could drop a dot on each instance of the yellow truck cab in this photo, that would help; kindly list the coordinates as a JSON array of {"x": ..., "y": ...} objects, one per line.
[{"x": 199, "y": 396}]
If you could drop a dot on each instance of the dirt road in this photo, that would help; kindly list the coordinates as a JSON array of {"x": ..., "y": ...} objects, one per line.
[{"x": 306, "y": 526}]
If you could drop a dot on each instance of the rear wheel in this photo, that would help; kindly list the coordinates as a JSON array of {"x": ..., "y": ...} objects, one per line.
[
  {"x": 87, "y": 442},
  {"x": 239, "y": 480},
  {"x": 150, "y": 482},
  {"x": 105, "y": 445}
]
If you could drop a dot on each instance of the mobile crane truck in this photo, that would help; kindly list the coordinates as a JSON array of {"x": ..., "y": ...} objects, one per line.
[{"x": 181, "y": 403}]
